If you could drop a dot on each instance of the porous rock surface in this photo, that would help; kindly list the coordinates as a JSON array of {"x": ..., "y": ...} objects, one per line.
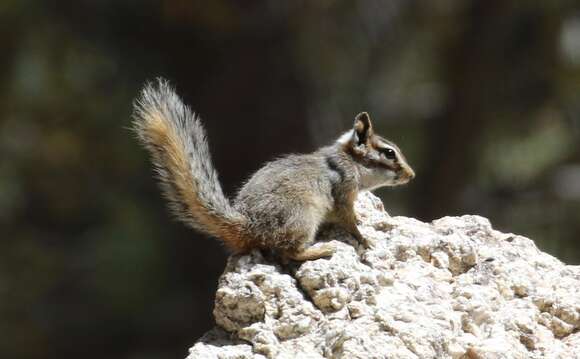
[{"x": 453, "y": 288}]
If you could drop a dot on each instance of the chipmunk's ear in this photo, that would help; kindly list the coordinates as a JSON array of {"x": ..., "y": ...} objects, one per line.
[{"x": 363, "y": 128}]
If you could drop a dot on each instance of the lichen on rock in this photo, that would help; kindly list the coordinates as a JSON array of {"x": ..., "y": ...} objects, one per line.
[{"x": 453, "y": 288}]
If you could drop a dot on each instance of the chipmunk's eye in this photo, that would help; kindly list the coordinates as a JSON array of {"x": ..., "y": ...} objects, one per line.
[{"x": 389, "y": 153}]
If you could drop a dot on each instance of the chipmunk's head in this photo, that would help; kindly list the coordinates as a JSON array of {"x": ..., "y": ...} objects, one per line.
[{"x": 380, "y": 162}]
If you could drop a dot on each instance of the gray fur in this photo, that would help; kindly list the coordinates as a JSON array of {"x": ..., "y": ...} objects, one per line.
[
  {"x": 288, "y": 199},
  {"x": 282, "y": 206}
]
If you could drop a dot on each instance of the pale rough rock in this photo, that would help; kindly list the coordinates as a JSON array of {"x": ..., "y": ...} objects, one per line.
[{"x": 454, "y": 288}]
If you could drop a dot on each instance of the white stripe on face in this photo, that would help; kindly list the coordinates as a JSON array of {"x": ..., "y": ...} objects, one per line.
[
  {"x": 384, "y": 146},
  {"x": 345, "y": 137}
]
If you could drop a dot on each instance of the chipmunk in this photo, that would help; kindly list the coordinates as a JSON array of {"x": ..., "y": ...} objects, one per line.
[{"x": 282, "y": 206}]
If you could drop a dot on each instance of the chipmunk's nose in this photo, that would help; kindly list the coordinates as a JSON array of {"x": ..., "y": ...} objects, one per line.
[{"x": 409, "y": 173}]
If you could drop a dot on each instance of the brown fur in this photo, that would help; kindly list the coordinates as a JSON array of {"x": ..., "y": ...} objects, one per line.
[
  {"x": 160, "y": 135},
  {"x": 282, "y": 206},
  {"x": 175, "y": 160}
]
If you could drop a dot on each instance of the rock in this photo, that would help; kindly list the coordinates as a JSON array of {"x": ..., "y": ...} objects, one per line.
[{"x": 453, "y": 288}]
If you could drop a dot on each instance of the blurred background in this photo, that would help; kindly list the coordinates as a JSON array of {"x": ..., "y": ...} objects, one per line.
[{"x": 482, "y": 96}]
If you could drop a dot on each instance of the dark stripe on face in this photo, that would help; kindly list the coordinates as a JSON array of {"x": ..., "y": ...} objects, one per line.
[
  {"x": 367, "y": 162},
  {"x": 333, "y": 166},
  {"x": 390, "y": 166}
]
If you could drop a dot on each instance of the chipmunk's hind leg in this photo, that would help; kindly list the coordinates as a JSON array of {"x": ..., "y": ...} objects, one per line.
[
  {"x": 300, "y": 234},
  {"x": 303, "y": 249},
  {"x": 311, "y": 253}
]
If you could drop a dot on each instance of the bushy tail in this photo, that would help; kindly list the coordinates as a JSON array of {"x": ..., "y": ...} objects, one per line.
[{"x": 176, "y": 141}]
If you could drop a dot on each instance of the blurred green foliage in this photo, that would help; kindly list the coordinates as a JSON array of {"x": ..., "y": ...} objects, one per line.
[{"x": 481, "y": 95}]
